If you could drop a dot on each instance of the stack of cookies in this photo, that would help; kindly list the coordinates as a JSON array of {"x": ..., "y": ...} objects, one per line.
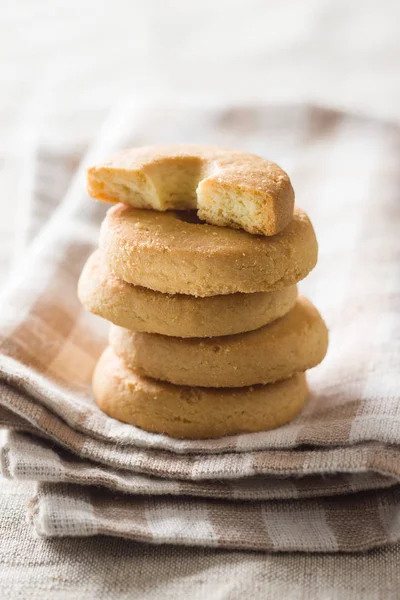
[{"x": 197, "y": 270}]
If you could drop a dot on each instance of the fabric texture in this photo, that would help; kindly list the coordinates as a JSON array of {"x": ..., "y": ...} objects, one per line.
[
  {"x": 326, "y": 481},
  {"x": 96, "y": 567}
]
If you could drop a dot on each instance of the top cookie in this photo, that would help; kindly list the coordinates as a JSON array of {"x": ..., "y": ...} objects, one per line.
[{"x": 228, "y": 187}]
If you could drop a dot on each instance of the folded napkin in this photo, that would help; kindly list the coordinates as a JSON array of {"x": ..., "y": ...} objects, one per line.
[{"x": 328, "y": 481}]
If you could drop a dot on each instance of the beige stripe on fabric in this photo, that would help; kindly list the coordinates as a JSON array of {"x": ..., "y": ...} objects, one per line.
[
  {"x": 41, "y": 336},
  {"x": 118, "y": 512},
  {"x": 231, "y": 526},
  {"x": 356, "y": 519}
]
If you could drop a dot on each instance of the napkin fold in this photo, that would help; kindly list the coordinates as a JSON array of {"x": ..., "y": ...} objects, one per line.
[{"x": 327, "y": 481}]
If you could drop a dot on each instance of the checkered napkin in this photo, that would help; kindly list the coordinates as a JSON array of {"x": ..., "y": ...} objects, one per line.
[{"x": 328, "y": 481}]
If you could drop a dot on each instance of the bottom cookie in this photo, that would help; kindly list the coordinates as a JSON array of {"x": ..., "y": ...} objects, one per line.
[{"x": 193, "y": 412}]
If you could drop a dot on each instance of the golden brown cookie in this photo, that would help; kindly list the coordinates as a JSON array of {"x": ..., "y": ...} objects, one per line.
[
  {"x": 296, "y": 342},
  {"x": 228, "y": 187},
  {"x": 165, "y": 252},
  {"x": 185, "y": 412},
  {"x": 141, "y": 309}
]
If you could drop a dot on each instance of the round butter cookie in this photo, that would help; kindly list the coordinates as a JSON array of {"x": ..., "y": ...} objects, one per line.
[
  {"x": 185, "y": 412},
  {"x": 296, "y": 342},
  {"x": 169, "y": 253},
  {"x": 228, "y": 187},
  {"x": 141, "y": 309}
]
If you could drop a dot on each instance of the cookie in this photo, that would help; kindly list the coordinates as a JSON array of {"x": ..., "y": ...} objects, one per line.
[
  {"x": 184, "y": 412},
  {"x": 296, "y": 342},
  {"x": 228, "y": 187},
  {"x": 168, "y": 253},
  {"x": 141, "y": 309}
]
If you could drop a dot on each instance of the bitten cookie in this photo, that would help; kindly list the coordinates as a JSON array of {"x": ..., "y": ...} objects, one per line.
[
  {"x": 228, "y": 187},
  {"x": 296, "y": 342},
  {"x": 185, "y": 412},
  {"x": 165, "y": 252},
  {"x": 141, "y": 309}
]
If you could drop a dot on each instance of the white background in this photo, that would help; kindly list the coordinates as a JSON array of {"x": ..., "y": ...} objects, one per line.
[{"x": 63, "y": 64}]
